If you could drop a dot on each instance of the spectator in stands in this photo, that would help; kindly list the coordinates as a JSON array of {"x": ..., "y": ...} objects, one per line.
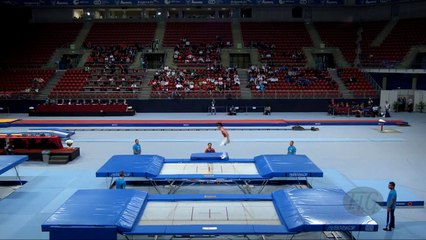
[
  {"x": 291, "y": 150},
  {"x": 137, "y": 150},
  {"x": 8, "y": 147},
  {"x": 120, "y": 183},
  {"x": 209, "y": 148}
]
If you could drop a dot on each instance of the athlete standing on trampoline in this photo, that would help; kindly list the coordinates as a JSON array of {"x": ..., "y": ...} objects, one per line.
[{"x": 224, "y": 133}]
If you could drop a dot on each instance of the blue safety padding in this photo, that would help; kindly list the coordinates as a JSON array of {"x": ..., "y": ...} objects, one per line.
[
  {"x": 299, "y": 210},
  {"x": 305, "y": 210},
  {"x": 210, "y": 156},
  {"x": 99, "y": 207},
  {"x": 8, "y": 162},
  {"x": 131, "y": 211},
  {"x": 147, "y": 166},
  {"x": 268, "y": 166},
  {"x": 280, "y": 165}
]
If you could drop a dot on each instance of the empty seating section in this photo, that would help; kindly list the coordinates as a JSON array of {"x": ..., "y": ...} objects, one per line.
[
  {"x": 195, "y": 83},
  {"x": 39, "y": 42},
  {"x": 23, "y": 81},
  {"x": 357, "y": 83},
  {"x": 284, "y": 42},
  {"x": 197, "y": 44},
  {"x": 196, "y": 32},
  {"x": 70, "y": 84},
  {"x": 339, "y": 34},
  {"x": 370, "y": 31},
  {"x": 291, "y": 83},
  {"x": 405, "y": 34},
  {"x": 106, "y": 34}
]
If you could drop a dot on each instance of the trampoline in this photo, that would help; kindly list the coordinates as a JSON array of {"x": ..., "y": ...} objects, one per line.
[
  {"x": 8, "y": 162},
  {"x": 210, "y": 168},
  {"x": 102, "y": 213}
]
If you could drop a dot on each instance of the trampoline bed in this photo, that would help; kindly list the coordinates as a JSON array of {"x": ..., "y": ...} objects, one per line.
[
  {"x": 102, "y": 213},
  {"x": 217, "y": 168}
]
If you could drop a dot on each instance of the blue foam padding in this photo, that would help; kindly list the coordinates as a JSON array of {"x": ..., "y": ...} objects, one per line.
[
  {"x": 8, "y": 162},
  {"x": 210, "y": 156},
  {"x": 309, "y": 210},
  {"x": 299, "y": 210},
  {"x": 268, "y": 166},
  {"x": 147, "y": 166},
  {"x": 280, "y": 165},
  {"x": 100, "y": 207}
]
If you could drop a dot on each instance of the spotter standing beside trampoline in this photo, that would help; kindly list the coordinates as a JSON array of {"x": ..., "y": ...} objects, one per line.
[
  {"x": 209, "y": 148},
  {"x": 137, "y": 148},
  {"x": 120, "y": 183},
  {"x": 224, "y": 133},
  {"x": 291, "y": 150},
  {"x": 390, "y": 207}
]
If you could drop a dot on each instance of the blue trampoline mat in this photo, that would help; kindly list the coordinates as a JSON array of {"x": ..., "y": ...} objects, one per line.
[
  {"x": 298, "y": 210},
  {"x": 267, "y": 166}
]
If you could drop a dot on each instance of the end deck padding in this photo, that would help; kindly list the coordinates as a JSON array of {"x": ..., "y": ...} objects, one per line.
[
  {"x": 99, "y": 208},
  {"x": 280, "y": 165},
  {"x": 321, "y": 210},
  {"x": 147, "y": 166}
]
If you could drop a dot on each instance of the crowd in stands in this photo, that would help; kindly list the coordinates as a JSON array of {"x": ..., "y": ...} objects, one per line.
[
  {"x": 114, "y": 79},
  {"x": 187, "y": 53},
  {"x": 178, "y": 83},
  {"x": 109, "y": 56},
  {"x": 283, "y": 78}
]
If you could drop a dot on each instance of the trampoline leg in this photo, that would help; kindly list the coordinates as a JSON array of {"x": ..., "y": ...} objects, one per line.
[
  {"x": 262, "y": 186},
  {"x": 154, "y": 184},
  {"x": 17, "y": 175},
  {"x": 110, "y": 183},
  {"x": 175, "y": 188}
]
